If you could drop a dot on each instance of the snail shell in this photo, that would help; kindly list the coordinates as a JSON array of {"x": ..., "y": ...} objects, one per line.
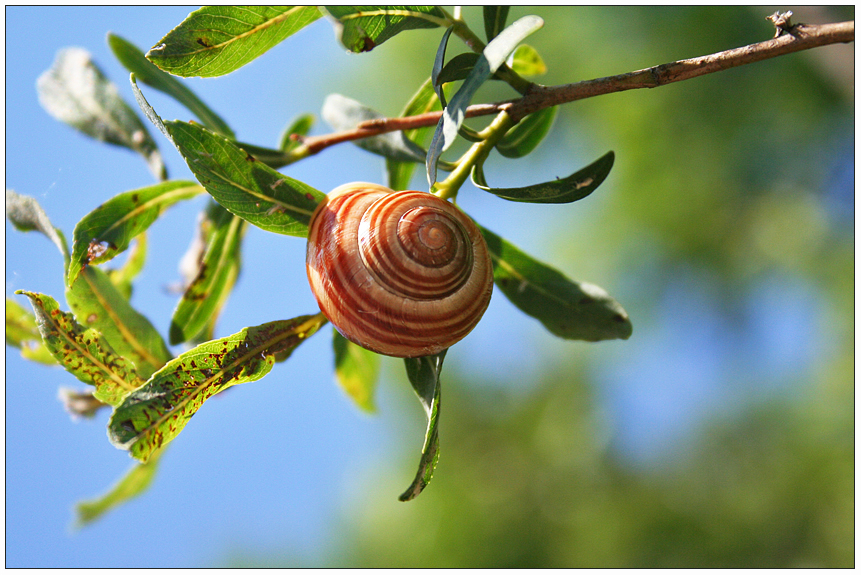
[{"x": 404, "y": 274}]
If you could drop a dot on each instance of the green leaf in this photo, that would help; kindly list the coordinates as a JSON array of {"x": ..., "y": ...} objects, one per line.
[
  {"x": 122, "y": 278},
  {"x": 491, "y": 59},
  {"x": 26, "y": 214},
  {"x": 108, "y": 230},
  {"x": 133, "y": 483},
  {"x": 153, "y": 415},
  {"x": 344, "y": 114},
  {"x": 356, "y": 370},
  {"x": 98, "y": 304},
  {"x": 438, "y": 65},
  {"x": 362, "y": 28},
  {"x": 526, "y": 61},
  {"x": 83, "y": 352},
  {"x": 134, "y": 61},
  {"x": 568, "y": 309},
  {"x": 299, "y": 127},
  {"x": 243, "y": 185},
  {"x": 23, "y": 333},
  {"x": 494, "y": 20},
  {"x": 75, "y": 91},
  {"x": 525, "y": 136},
  {"x": 216, "y": 40},
  {"x": 575, "y": 187},
  {"x": 216, "y": 274},
  {"x": 423, "y": 101},
  {"x": 423, "y": 373}
]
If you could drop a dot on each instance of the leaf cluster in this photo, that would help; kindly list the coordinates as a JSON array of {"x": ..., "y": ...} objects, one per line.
[{"x": 104, "y": 342}]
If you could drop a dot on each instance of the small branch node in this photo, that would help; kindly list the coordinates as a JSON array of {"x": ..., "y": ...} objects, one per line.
[{"x": 781, "y": 22}]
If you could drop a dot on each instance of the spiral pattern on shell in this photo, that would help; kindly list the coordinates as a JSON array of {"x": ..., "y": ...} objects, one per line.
[{"x": 404, "y": 274}]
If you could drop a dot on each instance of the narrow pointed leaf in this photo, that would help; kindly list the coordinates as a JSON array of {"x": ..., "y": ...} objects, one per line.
[
  {"x": 243, "y": 185},
  {"x": 216, "y": 40},
  {"x": 424, "y": 374},
  {"x": 26, "y": 214},
  {"x": 494, "y": 20},
  {"x": 132, "y": 484},
  {"x": 575, "y": 187},
  {"x": 98, "y": 304},
  {"x": 134, "y": 61},
  {"x": 491, "y": 59},
  {"x": 75, "y": 91},
  {"x": 424, "y": 100},
  {"x": 525, "y": 136},
  {"x": 216, "y": 274},
  {"x": 362, "y": 28},
  {"x": 438, "y": 64},
  {"x": 23, "y": 332},
  {"x": 108, "y": 230},
  {"x": 568, "y": 309},
  {"x": 343, "y": 114},
  {"x": 83, "y": 352},
  {"x": 356, "y": 370},
  {"x": 153, "y": 415}
]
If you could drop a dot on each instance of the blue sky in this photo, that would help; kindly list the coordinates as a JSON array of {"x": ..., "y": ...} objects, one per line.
[{"x": 269, "y": 467}]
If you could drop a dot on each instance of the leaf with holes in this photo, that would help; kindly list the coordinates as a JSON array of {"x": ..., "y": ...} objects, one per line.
[
  {"x": 363, "y": 28},
  {"x": 108, "y": 230},
  {"x": 568, "y": 309},
  {"x": 98, "y": 304},
  {"x": 83, "y": 352},
  {"x": 153, "y": 415},
  {"x": 75, "y": 91},
  {"x": 216, "y": 40}
]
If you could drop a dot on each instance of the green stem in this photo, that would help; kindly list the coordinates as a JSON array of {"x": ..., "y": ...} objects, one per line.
[{"x": 476, "y": 155}]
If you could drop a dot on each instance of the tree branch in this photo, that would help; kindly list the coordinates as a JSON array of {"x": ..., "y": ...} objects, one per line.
[{"x": 789, "y": 39}]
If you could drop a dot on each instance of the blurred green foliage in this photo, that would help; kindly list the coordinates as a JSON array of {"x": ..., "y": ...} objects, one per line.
[{"x": 733, "y": 189}]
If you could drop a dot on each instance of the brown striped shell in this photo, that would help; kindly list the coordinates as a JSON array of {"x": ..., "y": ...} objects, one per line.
[{"x": 404, "y": 274}]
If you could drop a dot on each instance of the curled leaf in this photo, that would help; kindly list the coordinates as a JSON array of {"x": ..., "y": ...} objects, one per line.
[
  {"x": 575, "y": 187},
  {"x": 83, "y": 352},
  {"x": 424, "y": 374},
  {"x": 75, "y": 91},
  {"x": 26, "y": 214}
]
